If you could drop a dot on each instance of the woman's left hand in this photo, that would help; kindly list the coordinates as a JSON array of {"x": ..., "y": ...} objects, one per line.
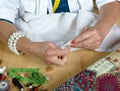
[{"x": 90, "y": 38}]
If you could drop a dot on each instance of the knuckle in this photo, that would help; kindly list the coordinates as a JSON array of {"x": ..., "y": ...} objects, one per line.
[
  {"x": 95, "y": 31},
  {"x": 98, "y": 38},
  {"x": 48, "y": 53}
]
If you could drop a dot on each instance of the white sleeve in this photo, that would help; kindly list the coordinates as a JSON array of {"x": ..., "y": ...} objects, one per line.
[
  {"x": 9, "y": 9},
  {"x": 100, "y": 3}
]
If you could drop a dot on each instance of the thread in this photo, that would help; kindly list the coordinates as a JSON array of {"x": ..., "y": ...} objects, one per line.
[
  {"x": 17, "y": 83},
  {"x": 4, "y": 85}
]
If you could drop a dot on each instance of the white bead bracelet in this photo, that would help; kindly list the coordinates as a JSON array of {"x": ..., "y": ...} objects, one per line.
[{"x": 12, "y": 41}]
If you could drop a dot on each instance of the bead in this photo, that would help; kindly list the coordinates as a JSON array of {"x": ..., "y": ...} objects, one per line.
[{"x": 12, "y": 41}]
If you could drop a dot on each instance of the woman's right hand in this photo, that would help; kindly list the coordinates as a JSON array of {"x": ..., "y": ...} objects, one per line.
[
  {"x": 49, "y": 52},
  {"x": 45, "y": 50}
]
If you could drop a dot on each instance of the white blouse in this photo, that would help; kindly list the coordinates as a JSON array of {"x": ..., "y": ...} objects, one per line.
[{"x": 12, "y": 9}]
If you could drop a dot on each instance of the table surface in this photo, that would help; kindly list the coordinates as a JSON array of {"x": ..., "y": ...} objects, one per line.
[{"x": 78, "y": 61}]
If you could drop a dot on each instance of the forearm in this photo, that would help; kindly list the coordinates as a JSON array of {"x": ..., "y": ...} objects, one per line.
[
  {"x": 108, "y": 16},
  {"x": 6, "y": 29}
]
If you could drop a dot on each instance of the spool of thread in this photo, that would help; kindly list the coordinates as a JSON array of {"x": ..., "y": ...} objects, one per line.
[
  {"x": 4, "y": 85},
  {"x": 17, "y": 83},
  {"x": 2, "y": 69},
  {"x": 35, "y": 88},
  {"x": 2, "y": 77}
]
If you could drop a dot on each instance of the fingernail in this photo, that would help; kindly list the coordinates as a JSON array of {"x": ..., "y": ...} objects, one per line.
[
  {"x": 72, "y": 42},
  {"x": 61, "y": 57}
]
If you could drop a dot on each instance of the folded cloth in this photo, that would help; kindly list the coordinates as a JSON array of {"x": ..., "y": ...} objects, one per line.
[
  {"x": 103, "y": 75},
  {"x": 61, "y": 28}
]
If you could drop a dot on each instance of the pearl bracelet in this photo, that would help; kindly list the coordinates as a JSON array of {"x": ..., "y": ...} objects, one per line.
[{"x": 12, "y": 41}]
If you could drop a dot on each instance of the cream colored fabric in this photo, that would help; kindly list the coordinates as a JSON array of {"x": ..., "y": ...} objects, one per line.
[{"x": 61, "y": 28}]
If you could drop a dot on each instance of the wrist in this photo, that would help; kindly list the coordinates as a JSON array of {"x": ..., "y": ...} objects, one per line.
[
  {"x": 102, "y": 28},
  {"x": 12, "y": 41},
  {"x": 23, "y": 45}
]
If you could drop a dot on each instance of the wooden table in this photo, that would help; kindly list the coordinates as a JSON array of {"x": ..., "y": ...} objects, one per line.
[{"x": 78, "y": 61}]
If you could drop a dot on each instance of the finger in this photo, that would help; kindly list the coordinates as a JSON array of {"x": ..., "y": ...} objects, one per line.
[
  {"x": 96, "y": 45},
  {"x": 76, "y": 39},
  {"x": 85, "y": 35},
  {"x": 88, "y": 42},
  {"x": 57, "y": 60},
  {"x": 63, "y": 60},
  {"x": 58, "y": 52}
]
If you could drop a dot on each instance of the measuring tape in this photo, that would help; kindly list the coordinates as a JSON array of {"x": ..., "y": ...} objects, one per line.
[
  {"x": 55, "y": 6},
  {"x": 4, "y": 85}
]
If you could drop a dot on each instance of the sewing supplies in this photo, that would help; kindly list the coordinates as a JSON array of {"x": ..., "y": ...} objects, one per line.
[
  {"x": 104, "y": 75},
  {"x": 2, "y": 69},
  {"x": 18, "y": 84},
  {"x": 107, "y": 82},
  {"x": 28, "y": 85},
  {"x": 34, "y": 88},
  {"x": 56, "y": 5},
  {"x": 4, "y": 85},
  {"x": 80, "y": 82},
  {"x": 2, "y": 77},
  {"x": 53, "y": 8},
  {"x": 34, "y": 76},
  {"x": 67, "y": 86},
  {"x": 102, "y": 66}
]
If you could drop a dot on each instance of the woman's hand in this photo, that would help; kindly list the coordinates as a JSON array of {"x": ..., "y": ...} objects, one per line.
[
  {"x": 49, "y": 51},
  {"x": 90, "y": 38}
]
